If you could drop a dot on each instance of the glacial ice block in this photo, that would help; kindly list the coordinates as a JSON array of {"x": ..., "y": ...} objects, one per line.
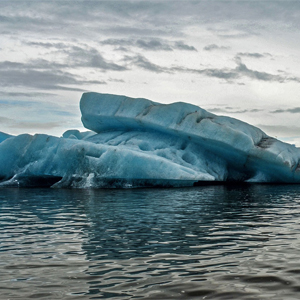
[
  {"x": 138, "y": 142},
  {"x": 4, "y": 136},
  {"x": 68, "y": 162},
  {"x": 249, "y": 153}
]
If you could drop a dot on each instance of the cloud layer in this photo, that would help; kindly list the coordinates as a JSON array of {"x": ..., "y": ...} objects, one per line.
[{"x": 240, "y": 53}]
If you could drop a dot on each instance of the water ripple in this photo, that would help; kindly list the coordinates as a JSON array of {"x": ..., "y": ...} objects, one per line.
[{"x": 213, "y": 242}]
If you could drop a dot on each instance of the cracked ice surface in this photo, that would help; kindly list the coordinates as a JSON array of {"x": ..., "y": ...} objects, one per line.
[{"x": 137, "y": 142}]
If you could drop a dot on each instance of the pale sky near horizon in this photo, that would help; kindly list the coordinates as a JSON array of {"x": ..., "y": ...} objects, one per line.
[{"x": 233, "y": 58}]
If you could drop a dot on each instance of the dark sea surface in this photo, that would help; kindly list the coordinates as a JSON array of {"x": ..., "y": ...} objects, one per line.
[{"x": 209, "y": 242}]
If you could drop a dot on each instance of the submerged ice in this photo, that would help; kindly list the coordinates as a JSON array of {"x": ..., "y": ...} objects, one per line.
[{"x": 137, "y": 142}]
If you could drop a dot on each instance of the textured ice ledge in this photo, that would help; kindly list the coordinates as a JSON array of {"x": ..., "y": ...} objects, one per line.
[
  {"x": 249, "y": 154},
  {"x": 137, "y": 142}
]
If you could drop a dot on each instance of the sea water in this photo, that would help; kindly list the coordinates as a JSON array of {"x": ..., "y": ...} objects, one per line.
[{"x": 208, "y": 242}]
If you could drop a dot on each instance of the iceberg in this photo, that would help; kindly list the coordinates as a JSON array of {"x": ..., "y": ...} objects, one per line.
[
  {"x": 4, "y": 136},
  {"x": 140, "y": 143}
]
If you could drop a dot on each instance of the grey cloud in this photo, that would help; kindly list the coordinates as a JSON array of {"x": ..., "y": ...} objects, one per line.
[
  {"x": 240, "y": 35},
  {"x": 254, "y": 55},
  {"x": 47, "y": 44},
  {"x": 233, "y": 31},
  {"x": 143, "y": 63},
  {"x": 76, "y": 56},
  {"x": 97, "y": 61},
  {"x": 215, "y": 47},
  {"x": 277, "y": 111},
  {"x": 149, "y": 44},
  {"x": 36, "y": 64},
  {"x": 118, "y": 42},
  {"x": 144, "y": 18},
  {"x": 240, "y": 111},
  {"x": 90, "y": 57},
  {"x": 50, "y": 75},
  {"x": 4, "y": 120},
  {"x": 182, "y": 46},
  {"x": 45, "y": 80},
  {"x": 278, "y": 130},
  {"x": 138, "y": 31},
  {"x": 216, "y": 110},
  {"x": 229, "y": 75},
  {"x": 121, "y": 18},
  {"x": 22, "y": 94},
  {"x": 295, "y": 110},
  {"x": 246, "y": 13},
  {"x": 225, "y": 73},
  {"x": 116, "y": 80},
  {"x": 243, "y": 70},
  {"x": 15, "y": 18},
  {"x": 230, "y": 110},
  {"x": 124, "y": 49},
  {"x": 153, "y": 45},
  {"x": 246, "y": 111},
  {"x": 39, "y": 79}
]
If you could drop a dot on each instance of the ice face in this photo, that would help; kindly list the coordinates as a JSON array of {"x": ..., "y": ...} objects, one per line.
[
  {"x": 4, "y": 136},
  {"x": 76, "y": 134},
  {"x": 137, "y": 142},
  {"x": 248, "y": 152},
  {"x": 112, "y": 158}
]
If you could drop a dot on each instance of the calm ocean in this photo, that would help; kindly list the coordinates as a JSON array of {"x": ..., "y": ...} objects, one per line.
[{"x": 209, "y": 242}]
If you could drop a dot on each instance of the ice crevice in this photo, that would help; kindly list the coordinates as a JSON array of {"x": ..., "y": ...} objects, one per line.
[{"x": 138, "y": 142}]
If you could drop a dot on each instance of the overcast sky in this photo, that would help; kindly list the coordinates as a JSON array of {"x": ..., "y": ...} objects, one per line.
[{"x": 234, "y": 58}]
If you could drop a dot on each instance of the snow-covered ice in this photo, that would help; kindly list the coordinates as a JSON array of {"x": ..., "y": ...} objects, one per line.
[{"x": 137, "y": 142}]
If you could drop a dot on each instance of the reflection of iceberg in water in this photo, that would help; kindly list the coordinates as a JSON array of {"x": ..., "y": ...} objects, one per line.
[
  {"x": 145, "y": 222},
  {"x": 42, "y": 241},
  {"x": 153, "y": 243},
  {"x": 148, "y": 243},
  {"x": 137, "y": 142}
]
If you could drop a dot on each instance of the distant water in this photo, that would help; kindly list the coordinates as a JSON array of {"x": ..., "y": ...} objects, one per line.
[{"x": 210, "y": 242}]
